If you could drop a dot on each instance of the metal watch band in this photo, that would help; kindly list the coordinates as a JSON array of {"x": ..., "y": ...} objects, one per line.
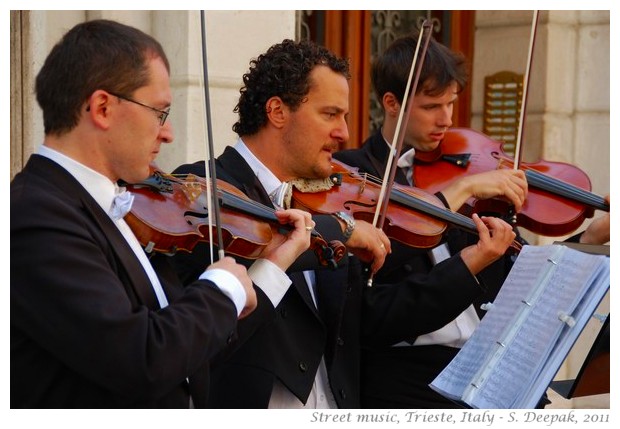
[{"x": 349, "y": 221}]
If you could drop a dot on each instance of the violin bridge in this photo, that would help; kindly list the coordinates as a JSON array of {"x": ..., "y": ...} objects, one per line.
[
  {"x": 363, "y": 183},
  {"x": 192, "y": 188}
]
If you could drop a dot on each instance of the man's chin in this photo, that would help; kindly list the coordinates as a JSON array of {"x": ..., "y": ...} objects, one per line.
[
  {"x": 144, "y": 174},
  {"x": 429, "y": 147}
]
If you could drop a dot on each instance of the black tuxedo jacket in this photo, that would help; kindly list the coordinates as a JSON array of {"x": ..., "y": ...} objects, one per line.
[
  {"x": 286, "y": 343},
  {"x": 406, "y": 261},
  {"x": 86, "y": 327},
  {"x": 397, "y": 377}
]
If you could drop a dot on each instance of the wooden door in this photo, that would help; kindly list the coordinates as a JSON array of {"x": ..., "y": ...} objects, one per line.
[{"x": 358, "y": 35}]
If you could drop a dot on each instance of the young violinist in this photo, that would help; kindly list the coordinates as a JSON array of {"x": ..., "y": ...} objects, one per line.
[
  {"x": 397, "y": 376},
  {"x": 305, "y": 351},
  {"x": 93, "y": 323}
]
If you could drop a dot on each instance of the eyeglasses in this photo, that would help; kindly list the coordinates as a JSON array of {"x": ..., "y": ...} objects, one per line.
[{"x": 163, "y": 113}]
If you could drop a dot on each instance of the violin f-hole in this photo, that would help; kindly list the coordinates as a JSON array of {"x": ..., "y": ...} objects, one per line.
[
  {"x": 188, "y": 214},
  {"x": 350, "y": 204}
]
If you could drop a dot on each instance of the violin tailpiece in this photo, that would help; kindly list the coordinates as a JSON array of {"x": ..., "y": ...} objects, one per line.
[{"x": 192, "y": 187}]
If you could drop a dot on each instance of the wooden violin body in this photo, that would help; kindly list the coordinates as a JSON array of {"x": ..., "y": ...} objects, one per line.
[
  {"x": 355, "y": 194},
  {"x": 558, "y": 198},
  {"x": 171, "y": 214},
  {"x": 413, "y": 216}
]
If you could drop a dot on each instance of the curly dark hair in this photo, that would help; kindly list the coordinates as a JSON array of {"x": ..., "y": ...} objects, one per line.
[
  {"x": 442, "y": 66},
  {"x": 283, "y": 71}
]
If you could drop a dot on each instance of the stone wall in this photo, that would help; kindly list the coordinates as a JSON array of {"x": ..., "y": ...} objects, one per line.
[{"x": 567, "y": 109}]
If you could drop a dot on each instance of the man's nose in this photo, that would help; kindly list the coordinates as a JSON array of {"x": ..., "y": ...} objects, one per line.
[
  {"x": 165, "y": 133},
  {"x": 445, "y": 118},
  {"x": 341, "y": 132}
]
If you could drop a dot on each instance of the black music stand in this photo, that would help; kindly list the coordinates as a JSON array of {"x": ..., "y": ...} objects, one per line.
[{"x": 593, "y": 377}]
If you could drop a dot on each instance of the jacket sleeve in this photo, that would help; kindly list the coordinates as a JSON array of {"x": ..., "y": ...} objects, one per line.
[{"x": 417, "y": 304}]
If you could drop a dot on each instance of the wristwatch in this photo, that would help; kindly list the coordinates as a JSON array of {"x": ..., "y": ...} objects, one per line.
[{"x": 349, "y": 221}]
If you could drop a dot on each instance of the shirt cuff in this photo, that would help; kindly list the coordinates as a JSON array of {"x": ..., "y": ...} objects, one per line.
[
  {"x": 228, "y": 284},
  {"x": 270, "y": 279}
]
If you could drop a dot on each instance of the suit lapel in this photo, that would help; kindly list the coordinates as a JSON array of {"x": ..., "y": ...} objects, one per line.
[
  {"x": 232, "y": 168},
  {"x": 377, "y": 152},
  {"x": 135, "y": 274},
  {"x": 303, "y": 288}
]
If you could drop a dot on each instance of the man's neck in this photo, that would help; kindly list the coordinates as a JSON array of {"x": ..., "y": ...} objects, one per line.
[
  {"x": 388, "y": 130},
  {"x": 79, "y": 148},
  {"x": 267, "y": 153}
]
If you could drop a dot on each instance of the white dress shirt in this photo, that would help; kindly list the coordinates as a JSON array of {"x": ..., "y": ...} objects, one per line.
[{"x": 456, "y": 332}]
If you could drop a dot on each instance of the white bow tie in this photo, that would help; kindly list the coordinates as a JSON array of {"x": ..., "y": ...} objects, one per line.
[
  {"x": 279, "y": 195},
  {"x": 121, "y": 205},
  {"x": 406, "y": 159},
  {"x": 406, "y": 162}
]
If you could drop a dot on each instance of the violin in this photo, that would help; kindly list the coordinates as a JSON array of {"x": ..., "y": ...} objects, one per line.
[
  {"x": 413, "y": 216},
  {"x": 559, "y": 197},
  {"x": 171, "y": 214}
]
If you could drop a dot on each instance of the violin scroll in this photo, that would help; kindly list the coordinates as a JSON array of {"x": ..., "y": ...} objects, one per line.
[{"x": 328, "y": 254}]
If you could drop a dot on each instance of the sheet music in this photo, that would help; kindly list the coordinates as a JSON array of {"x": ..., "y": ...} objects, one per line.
[
  {"x": 506, "y": 354},
  {"x": 455, "y": 378},
  {"x": 569, "y": 335}
]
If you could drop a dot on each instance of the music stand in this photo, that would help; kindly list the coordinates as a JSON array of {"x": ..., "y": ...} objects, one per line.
[{"x": 593, "y": 376}]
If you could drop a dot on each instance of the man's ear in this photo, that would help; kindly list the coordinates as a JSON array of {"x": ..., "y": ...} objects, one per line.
[
  {"x": 98, "y": 108},
  {"x": 277, "y": 111},
  {"x": 390, "y": 104}
]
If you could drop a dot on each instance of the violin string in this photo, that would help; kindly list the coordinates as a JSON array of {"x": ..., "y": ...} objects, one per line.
[
  {"x": 245, "y": 201},
  {"x": 547, "y": 183},
  {"x": 442, "y": 213},
  {"x": 446, "y": 214},
  {"x": 562, "y": 188},
  {"x": 242, "y": 203},
  {"x": 426, "y": 207}
]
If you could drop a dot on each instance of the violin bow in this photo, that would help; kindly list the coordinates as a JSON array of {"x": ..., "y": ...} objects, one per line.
[
  {"x": 403, "y": 117},
  {"x": 213, "y": 197},
  {"x": 526, "y": 84},
  {"x": 401, "y": 125}
]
